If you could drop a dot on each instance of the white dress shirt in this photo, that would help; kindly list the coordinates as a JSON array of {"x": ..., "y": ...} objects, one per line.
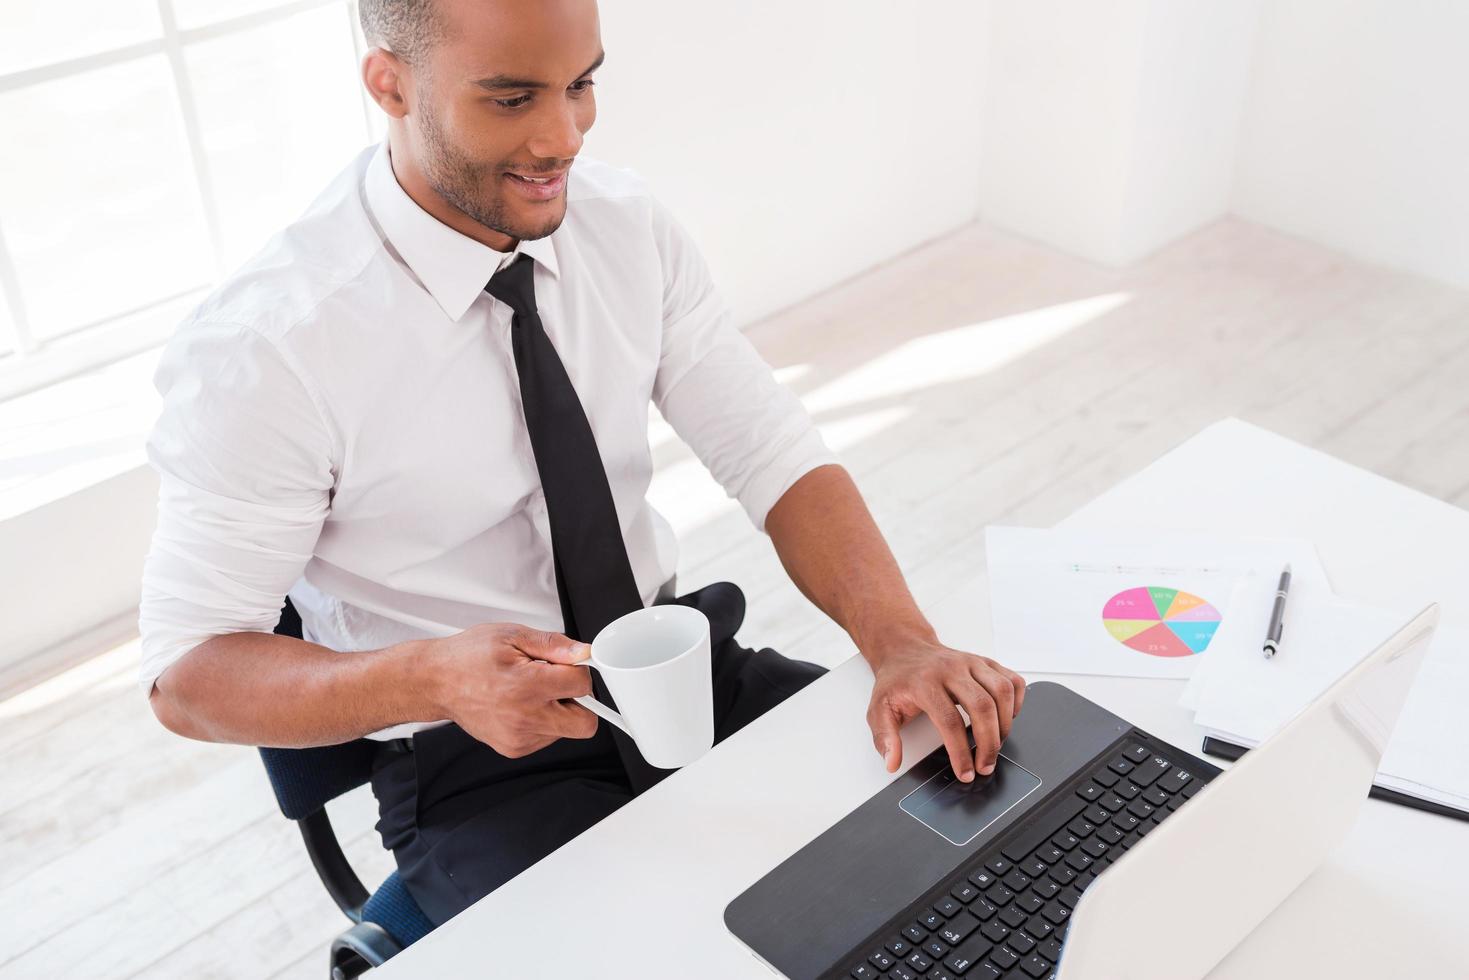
[{"x": 341, "y": 419}]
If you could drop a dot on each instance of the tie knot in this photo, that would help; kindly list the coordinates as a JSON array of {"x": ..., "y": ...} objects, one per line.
[{"x": 515, "y": 286}]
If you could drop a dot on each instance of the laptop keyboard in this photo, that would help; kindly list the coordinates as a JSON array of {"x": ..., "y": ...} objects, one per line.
[{"x": 1005, "y": 914}]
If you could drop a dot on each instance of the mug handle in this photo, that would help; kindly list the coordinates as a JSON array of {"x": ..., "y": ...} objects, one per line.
[{"x": 590, "y": 702}]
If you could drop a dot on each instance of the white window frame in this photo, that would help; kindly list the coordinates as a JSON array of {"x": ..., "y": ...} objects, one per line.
[{"x": 30, "y": 364}]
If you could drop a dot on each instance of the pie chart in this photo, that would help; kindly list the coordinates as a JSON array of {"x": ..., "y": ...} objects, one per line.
[{"x": 1160, "y": 622}]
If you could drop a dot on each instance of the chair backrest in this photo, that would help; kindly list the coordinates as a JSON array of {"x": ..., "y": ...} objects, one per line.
[{"x": 304, "y": 780}]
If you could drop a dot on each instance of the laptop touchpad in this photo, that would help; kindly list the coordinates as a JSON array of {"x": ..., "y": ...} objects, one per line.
[{"x": 959, "y": 811}]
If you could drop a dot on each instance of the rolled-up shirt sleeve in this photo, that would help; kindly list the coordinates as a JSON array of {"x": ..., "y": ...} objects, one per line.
[
  {"x": 244, "y": 459},
  {"x": 718, "y": 394}
]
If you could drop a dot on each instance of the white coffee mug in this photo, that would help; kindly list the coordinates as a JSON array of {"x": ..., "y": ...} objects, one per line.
[{"x": 656, "y": 665}]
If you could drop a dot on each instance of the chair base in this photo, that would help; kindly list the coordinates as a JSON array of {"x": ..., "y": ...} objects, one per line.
[{"x": 361, "y": 948}]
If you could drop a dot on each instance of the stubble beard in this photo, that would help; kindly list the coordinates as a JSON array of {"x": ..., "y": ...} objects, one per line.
[{"x": 466, "y": 184}]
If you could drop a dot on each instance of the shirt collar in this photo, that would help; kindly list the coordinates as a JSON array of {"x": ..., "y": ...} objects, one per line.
[{"x": 454, "y": 268}]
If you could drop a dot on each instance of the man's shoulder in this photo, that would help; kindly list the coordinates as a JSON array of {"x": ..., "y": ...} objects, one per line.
[{"x": 328, "y": 251}]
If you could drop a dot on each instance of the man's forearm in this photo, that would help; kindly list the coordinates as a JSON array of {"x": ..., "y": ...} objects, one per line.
[
  {"x": 830, "y": 545},
  {"x": 263, "y": 689},
  {"x": 833, "y": 551}
]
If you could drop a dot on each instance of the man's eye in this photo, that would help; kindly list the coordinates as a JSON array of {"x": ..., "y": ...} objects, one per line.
[{"x": 521, "y": 100}]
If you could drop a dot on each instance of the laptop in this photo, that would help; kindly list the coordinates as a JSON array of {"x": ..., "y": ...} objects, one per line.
[{"x": 1088, "y": 827}]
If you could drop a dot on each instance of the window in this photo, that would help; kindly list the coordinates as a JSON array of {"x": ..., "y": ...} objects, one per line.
[{"x": 151, "y": 147}]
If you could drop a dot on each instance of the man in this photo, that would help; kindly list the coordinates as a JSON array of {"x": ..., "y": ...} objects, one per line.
[{"x": 421, "y": 411}]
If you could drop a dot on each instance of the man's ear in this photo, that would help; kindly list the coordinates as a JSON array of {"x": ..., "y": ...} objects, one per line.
[{"x": 384, "y": 74}]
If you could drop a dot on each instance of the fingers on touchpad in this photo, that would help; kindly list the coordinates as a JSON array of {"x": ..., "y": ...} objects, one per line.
[{"x": 959, "y": 811}]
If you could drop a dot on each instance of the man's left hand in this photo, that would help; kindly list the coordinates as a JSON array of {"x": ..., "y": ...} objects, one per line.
[{"x": 927, "y": 677}]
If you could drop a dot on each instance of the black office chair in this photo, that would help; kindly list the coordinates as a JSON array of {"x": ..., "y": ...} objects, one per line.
[{"x": 305, "y": 780}]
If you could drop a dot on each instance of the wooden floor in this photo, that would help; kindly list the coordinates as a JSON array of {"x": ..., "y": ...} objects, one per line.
[{"x": 976, "y": 380}]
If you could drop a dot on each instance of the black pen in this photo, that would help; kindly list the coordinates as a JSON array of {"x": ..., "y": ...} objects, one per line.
[{"x": 1277, "y": 615}]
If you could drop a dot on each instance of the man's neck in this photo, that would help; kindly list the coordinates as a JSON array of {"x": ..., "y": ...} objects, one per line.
[{"x": 411, "y": 178}]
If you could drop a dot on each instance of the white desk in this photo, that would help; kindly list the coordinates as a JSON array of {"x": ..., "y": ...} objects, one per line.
[{"x": 643, "y": 892}]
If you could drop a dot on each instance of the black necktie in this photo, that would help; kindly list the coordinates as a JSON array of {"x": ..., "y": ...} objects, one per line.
[{"x": 594, "y": 578}]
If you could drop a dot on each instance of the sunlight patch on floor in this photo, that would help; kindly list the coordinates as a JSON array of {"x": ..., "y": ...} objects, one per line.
[
  {"x": 113, "y": 670},
  {"x": 960, "y": 353}
]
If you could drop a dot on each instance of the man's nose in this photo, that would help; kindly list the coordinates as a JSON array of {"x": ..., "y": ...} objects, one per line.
[{"x": 559, "y": 138}]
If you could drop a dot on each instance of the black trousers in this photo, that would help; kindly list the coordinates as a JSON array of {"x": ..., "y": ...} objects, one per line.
[{"x": 461, "y": 819}]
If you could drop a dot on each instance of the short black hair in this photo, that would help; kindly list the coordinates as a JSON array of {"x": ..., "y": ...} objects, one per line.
[{"x": 404, "y": 27}]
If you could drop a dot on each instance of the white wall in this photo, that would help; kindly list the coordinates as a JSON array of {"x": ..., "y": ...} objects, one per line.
[
  {"x": 801, "y": 143},
  {"x": 1195, "y": 74},
  {"x": 1356, "y": 132},
  {"x": 1058, "y": 117},
  {"x": 1110, "y": 128}
]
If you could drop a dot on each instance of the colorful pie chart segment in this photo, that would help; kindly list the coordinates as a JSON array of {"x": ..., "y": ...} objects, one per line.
[{"x": 1160, "y": 622}]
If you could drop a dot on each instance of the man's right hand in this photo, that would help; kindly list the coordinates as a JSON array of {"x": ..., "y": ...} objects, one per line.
[{"x": 506, "y": 685}]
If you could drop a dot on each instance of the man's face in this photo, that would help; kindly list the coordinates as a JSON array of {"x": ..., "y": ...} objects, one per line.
[{"x": 506, "y": 90}]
